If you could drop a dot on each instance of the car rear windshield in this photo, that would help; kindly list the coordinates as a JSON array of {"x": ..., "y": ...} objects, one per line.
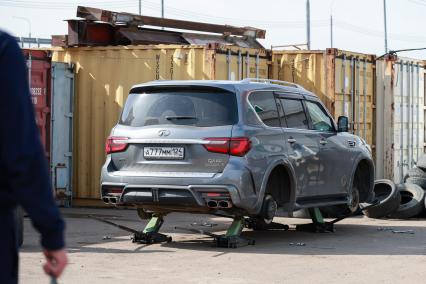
[{"x": 195, "y": 108}]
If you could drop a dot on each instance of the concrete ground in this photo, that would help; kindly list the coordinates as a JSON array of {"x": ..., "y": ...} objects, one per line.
[{"x": 361, "y": 250}]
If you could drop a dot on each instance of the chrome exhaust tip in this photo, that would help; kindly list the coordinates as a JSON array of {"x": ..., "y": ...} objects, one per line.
[
  {"x": 224, "y": 204},
  {"x": 212, "y": 204}
]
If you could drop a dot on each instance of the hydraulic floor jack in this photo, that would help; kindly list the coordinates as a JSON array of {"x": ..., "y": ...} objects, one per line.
[{"x": 232, "y": 238}]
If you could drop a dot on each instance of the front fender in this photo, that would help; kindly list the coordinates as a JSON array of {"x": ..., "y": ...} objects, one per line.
[{"x": 363, "y": 156}]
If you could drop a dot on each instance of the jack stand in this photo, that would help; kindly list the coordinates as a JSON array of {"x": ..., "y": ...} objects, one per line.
[
  {"x": 232, "y": 238},
  {"x": 150, "y": 234},
  {"x": 318, "y": 224}
]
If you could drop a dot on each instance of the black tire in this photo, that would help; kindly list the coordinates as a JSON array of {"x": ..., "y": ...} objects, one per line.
[
  {"x": 416, "y": 173},
  {"x": 19, "y": 219},
  {"x": 266, "y": 216},
  {"x": 388, "y": 199},
  {"x": 337, "y": 211},
  {"x": 412, "y": 201},
  {"x": 421, "y": 163},
  {"x": 418, "y": 181}
]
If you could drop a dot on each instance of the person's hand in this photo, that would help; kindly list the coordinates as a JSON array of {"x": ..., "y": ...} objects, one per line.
[{"x": 55, "y": 262}]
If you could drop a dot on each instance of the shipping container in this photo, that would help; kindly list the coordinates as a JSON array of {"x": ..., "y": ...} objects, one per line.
[
  {"x": 343, "y": 80},
  {"x": 400, "y": 116},
  {"x": 39, "y": 68},
  {"x": 104, "y": 76}
]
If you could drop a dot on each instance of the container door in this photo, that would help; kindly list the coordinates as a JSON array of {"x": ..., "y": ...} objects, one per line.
[
  {"x": 61, "y": 146},
  {"x": 39, "y": 78}
]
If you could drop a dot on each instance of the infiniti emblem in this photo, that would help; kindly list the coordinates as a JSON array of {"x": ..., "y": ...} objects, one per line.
[{"x": 163, "y": 133}]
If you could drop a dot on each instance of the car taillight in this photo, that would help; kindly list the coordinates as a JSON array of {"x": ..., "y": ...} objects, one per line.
[
  {"x": 234, "y": 146},
  {"x": 116, "y": 144}
]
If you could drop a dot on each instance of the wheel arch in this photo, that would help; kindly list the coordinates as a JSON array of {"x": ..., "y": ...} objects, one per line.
[
  {"x": 284, "y": 167},
  {"x": 363, "y": 177}
]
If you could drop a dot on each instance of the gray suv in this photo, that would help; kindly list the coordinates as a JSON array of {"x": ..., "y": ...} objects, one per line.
[{"x": 252, "y": 148}]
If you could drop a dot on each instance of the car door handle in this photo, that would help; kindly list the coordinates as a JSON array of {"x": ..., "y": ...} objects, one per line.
[
  {"x": 323, "y": 141},
  {"x": 291, "y": 140}
]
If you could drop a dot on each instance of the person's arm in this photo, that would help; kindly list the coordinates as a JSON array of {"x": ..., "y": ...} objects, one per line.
[{"x": 21, "y": 154}]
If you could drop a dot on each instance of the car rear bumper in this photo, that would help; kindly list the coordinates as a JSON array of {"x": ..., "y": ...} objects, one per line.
[{"x": 180, "y": 192}]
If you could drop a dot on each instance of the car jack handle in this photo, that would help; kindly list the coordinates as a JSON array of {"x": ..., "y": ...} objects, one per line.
[{"x": 149, "y": 235}]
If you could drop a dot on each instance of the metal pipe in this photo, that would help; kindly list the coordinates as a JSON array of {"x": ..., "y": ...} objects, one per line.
[
  {"x": 364, "y": 91},
  {"x": 308, "y": 24},
  {"x": 228, "y": 61},
  {"x": 386, "y": 29},
  {"x": 352, "y": 94},
  {"x": 344, "y": 84},
  {"x": 401, "y": 146},
  {"x": 358, "y": 95},
  {"x": 248, "y": 65},
  {"x": 418, "y": 112},
  {"x": 239, "y": 63},
  {"x": 257, "y": 65},
  {"x": 412, "y": 113},
  {"x": 331, "y": 31}
]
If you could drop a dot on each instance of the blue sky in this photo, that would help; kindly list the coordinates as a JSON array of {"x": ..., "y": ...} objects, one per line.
[{"x": 358, "y": 24}]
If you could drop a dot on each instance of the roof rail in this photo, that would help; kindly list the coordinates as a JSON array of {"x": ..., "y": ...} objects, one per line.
[{"x": 277, "y": 82}]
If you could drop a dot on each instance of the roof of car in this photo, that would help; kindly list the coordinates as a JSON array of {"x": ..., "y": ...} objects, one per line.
[{"x": 243, "y": 85}]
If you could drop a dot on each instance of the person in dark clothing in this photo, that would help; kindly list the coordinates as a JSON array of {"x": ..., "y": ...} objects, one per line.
[{"x": 24, "y": 177}]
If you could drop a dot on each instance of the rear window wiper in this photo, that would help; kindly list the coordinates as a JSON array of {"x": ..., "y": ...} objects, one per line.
[{"x": 180, "y": 117}]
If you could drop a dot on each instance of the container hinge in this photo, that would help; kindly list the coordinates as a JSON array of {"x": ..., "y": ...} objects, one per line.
[
  {"x": 68, "y": 154},
  {"x": 69, "y": 115}
]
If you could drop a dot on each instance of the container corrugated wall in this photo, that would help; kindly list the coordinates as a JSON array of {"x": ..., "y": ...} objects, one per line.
[
  {"x": 400, "y": 116},
  {"x": 343, "y": 80},
  {"x": 104, "y": 76}
]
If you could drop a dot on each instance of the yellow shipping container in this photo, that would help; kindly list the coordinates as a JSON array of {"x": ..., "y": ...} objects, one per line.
[
  {"x": 104, "y": 76},
  {"x": 344, "y": 81}
]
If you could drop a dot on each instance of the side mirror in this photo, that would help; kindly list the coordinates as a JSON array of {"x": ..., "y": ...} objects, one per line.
[{"x": 343, "y": 124}]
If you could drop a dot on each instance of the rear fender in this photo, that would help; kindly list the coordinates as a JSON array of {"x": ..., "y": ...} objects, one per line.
[{"x": 274, "y": 163}]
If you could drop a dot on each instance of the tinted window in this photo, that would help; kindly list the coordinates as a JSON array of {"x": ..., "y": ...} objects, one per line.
[
  {"x": 294, "y": 114},
  {"x": 201, "y": 109},
  {"x": 320, "y": 120},
  {"x": 265, "y": 106}
]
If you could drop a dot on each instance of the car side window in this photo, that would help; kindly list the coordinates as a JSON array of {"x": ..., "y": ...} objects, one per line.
[
  {"x": 320, "y": 119},
  {"x": 265, "y": 106},
  {"x": 294, "y": 113}
]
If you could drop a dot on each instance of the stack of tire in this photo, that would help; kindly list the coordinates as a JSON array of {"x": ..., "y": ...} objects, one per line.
[{"x": 401, "y": 201}]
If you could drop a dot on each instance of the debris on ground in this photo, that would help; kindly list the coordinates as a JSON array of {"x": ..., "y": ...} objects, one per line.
[
  {"x": 403, "y": 232},
  {"x": 297, "y": 244},
  {"x": 205, "y": 224},
  {"x": 385, "y": 229},
  {"x": 106, "y": 238}
]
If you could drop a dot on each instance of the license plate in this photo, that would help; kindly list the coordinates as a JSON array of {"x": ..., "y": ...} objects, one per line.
[{"x": 175, "y": 153}]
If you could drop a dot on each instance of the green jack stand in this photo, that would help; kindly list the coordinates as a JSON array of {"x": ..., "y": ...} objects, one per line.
[
  {"x": 232, "y": 238},
  {"x": 318, "y": 224},
  {"x": 150, "y": 234}
]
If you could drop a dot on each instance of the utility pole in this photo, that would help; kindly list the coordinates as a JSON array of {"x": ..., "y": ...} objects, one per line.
[
  {"x": 331, "y": 30},
  {"x": 308, "y": 24},
  {"x": 140, "y": 7},
  {"x": 331, "y": 23},
  {"x": 386, "y": 29},
  {"x": 162, "y": 8}
]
